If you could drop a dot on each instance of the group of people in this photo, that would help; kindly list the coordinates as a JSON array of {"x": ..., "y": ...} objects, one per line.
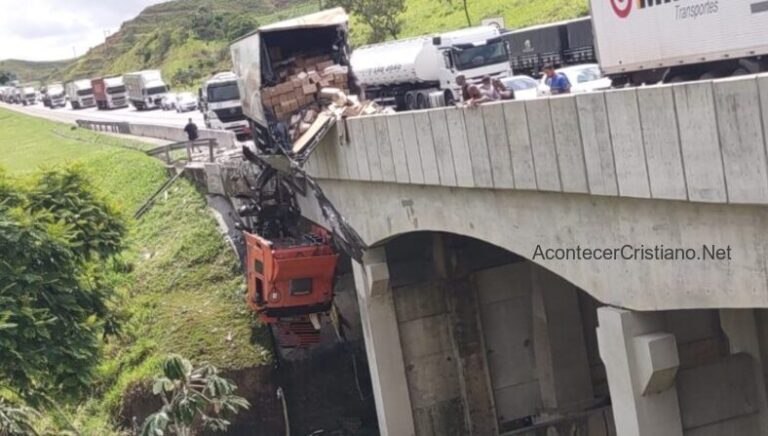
[{"x": 494, "y": 90}]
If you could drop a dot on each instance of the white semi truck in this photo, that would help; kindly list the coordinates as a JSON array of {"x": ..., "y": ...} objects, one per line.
[
  {"x": 418, "y": 73},
  {"x": 221, "y": 106},
  {"x": 28, "y": 95},
  {"x": 145, "y": 89},
  {"x": 648, "y": 41},
  {"x": 54, "y": 96},
  {"x": 80, "y": 94}
]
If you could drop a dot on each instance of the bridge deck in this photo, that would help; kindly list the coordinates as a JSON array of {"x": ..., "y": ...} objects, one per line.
[{"x": 702, "y": 141}]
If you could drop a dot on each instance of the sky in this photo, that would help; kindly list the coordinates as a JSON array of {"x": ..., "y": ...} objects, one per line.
[{"x": 58, "y": 29}]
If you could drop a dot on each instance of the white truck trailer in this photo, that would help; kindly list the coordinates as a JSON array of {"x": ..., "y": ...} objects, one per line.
[
  {"x": 54, "y": 96},
  {"x": 221, "y": 106},
  {"x": 145, "y": 89},
  {"x": 80, "y": 94},
  {"x": 28, "y": 95},
  {"x": 648, "y": 41},
  {"x": 421, "y": 72}
]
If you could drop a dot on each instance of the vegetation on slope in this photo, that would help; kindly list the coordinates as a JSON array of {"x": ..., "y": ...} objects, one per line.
[
  {"x": 180, "y": 284},
  {"x": 169, "y": 36},
  {"x": 28, "y": 71}
]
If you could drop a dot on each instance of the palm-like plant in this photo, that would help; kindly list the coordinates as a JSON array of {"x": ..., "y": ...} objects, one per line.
[
  {"x": 191, "y": 395},
  {"x": 16, "y": 420}
]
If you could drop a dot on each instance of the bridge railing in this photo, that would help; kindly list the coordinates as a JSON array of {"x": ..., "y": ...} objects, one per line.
[
  {"x": 700, "y": 141},
  {"x": 191, "y": 148},
  {"x": 105, "y": 126}
]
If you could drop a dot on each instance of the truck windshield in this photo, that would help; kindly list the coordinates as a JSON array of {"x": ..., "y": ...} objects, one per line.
[
  {"x": 115, "y": 89},
  {"x": 223, "y": 92},
  {"x": 85, "y": 92},
  {"x": 475, "y": 57},
  {"x": 54, "y": 90},
  {"x": 156, "y": 90}
]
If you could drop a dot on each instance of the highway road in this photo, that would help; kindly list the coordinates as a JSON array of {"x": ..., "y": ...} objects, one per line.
[{"x": 129, "y": 114}]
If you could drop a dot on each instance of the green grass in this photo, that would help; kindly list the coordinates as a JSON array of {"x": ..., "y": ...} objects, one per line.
[{"x": 180, "y": 286}]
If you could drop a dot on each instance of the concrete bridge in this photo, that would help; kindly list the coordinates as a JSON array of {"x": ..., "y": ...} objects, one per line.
[{"x": 588, "y": 264}]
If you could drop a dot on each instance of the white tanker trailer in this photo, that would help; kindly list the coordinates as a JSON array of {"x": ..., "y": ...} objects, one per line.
[{"x": 418, "y": 73}]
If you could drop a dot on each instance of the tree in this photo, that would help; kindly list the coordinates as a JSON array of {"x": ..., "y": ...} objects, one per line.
[
  {"x": 382, "y": 16},
  {"x": 16, "y": 420},
  {"x": 6, "y": 76},
  {"x": 240, "y": 25},
  {"x": 55, "y": 237},
  {"x": 187, "y": 394}
]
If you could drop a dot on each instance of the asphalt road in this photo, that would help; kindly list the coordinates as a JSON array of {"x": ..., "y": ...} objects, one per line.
[{"x": 129, "y": 114}]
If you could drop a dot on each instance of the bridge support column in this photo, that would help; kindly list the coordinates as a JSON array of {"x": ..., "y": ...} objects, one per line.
[
  {"x": 382, "y": 345},
  {"x": 741, "y": 328},
  {"x": 641, "y": 363}
]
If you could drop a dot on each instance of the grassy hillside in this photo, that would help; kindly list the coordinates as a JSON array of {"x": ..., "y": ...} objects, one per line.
[
  {"x": 28, "y": 71},
  {"x": 180, "y": 286},
  {"x": 166, "y": 35}
]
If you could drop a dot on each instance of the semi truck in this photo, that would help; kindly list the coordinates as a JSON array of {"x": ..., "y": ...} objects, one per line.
[
  {"x": 80, "y": 94},
  {"x": 220, "y": 104},
  {"x": 109, "y": 92},
  {"x": 146, "y": 89},
  {"x": 562, "y": 43},
  {"x": 27, "y": 95},
  {"x": 642, "y": 41},
  {"x": 418, "y": 73},
  {"x": 54, "y": 96},
  {"x": 269, "y": 93}
]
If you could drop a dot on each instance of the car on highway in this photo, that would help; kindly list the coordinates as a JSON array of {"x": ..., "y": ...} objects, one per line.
[
  {"x": 168, "y": 102},
  {"x": 583, "y": 78},
  {"x": 525, "y": 87},
  {"x": 186, "y": 101}
]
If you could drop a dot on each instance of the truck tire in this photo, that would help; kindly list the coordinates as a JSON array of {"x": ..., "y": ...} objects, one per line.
[
  {"x": 410, "y": 101},
  {"x": 450, "y": 100},
  {"x": 422, "y": 102},
  {"x": 741, "y": 71}
]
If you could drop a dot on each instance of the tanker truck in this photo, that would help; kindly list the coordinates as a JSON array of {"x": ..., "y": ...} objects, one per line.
[
  {"x": 419, "y": 73},
  {"x": 109, "y": 92},
  {"x": 80, "y": 94},
  {"x": 220, "y": 104}
]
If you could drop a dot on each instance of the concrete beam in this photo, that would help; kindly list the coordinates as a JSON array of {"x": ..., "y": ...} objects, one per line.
[
  {"x": 382, "y": 345},
  {"x": 636, "y": 414}
]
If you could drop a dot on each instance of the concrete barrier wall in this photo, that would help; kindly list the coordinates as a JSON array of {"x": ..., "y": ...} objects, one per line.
[
  {"x": 223, "y": 138},
  {"x": 702, "y": 141}
]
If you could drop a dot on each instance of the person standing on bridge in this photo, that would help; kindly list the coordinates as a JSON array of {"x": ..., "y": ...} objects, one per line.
[
  {"x": 558, "y": 82},
  {"x": 191, "y": 129}
]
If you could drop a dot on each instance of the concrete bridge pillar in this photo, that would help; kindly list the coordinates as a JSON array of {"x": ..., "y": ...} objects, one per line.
[
  {"x": 641, "y": 363},
  {"x": 382, "y": 345}
]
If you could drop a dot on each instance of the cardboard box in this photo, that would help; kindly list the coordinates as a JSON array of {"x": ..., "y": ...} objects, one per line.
[
  {"x": 309, "y": 89},
  {"x": 323, "y": 65}
]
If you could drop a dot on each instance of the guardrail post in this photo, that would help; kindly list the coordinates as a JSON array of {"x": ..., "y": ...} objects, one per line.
[
  {"x": 168, "y": 154},
  {"x": 211, "y": 144},
  {"x": 189, "y": 150}
]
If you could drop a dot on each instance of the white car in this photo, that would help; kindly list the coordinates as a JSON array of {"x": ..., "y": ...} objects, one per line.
[
  {"x": 169, "y": 102},
  {"x": 583, "y": 78},
  {"x": 186, "y": 101},
  {"x": 525, "y": 87}
]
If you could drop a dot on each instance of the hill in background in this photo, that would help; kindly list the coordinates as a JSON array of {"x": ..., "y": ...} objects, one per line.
[
  {"x": 27, "y": 71},
  {"x": 189, "y": 39}
]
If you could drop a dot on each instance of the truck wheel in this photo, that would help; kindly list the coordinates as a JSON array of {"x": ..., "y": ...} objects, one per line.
[
  {"x": 421, "y": 101},
  {"x": 410, "y": 101},
  {"x": 450, "y": 100},
  {"x": 741, "y": 71}
]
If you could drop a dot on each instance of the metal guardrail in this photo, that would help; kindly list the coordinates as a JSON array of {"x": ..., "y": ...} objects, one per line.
[
  {"x": 105, "y": 126},
  {"x": 165, "y": 151}
]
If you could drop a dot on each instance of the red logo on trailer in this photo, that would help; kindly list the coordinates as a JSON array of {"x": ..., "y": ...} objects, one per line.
[{"x": 622, "y": 7}]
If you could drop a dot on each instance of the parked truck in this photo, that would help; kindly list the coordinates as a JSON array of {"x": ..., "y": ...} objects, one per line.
[
  {"x": 562, "y": 44},
  {"x": 421, "y": 72},
  {"x": 27, "y": 95},
  {"x": 109, "y": 92},
  {"x": 220, "y": 104},
  {"x": 648, "y": 42},
  {"x": 145, "y": 89},
  {"x": 54, "y": 96},
  {"x": 80, "y": 94}
]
